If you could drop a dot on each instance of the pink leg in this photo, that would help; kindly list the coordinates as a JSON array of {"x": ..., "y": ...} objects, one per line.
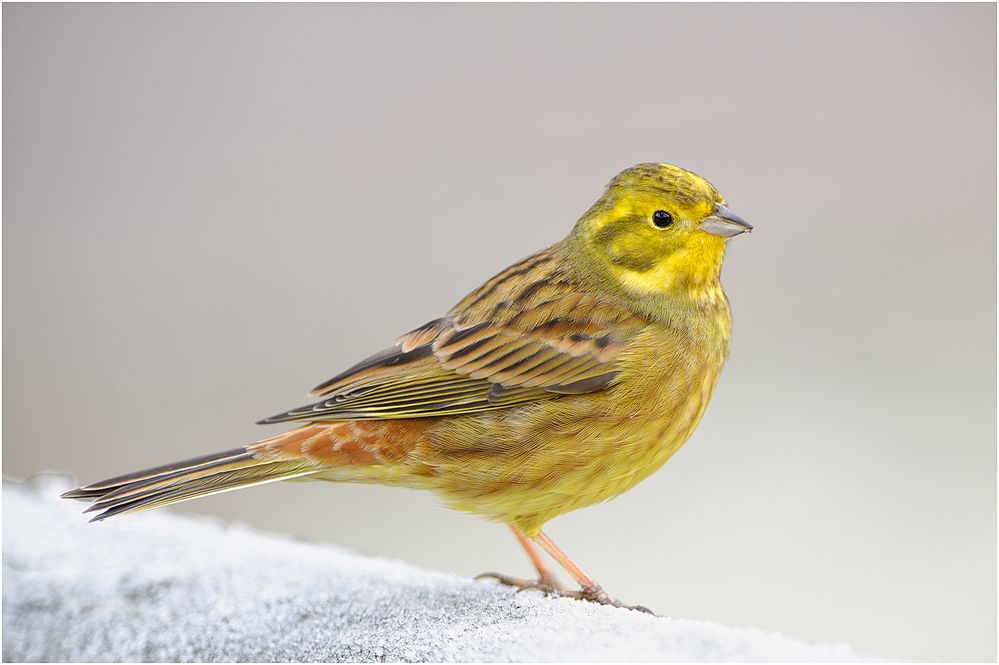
[
  {"x": 547, "y": 580},
  {"x": 590, "y": 590}
]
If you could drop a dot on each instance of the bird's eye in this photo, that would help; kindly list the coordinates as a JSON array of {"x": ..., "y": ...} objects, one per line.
[{"x": 662, "y": 219}]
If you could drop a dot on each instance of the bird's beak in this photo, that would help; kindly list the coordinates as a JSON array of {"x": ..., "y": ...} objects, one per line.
[{"x": 725, "y": 223}]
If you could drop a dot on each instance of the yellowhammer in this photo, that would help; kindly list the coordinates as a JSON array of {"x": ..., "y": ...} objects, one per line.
[{"x": 562, "y": 381}]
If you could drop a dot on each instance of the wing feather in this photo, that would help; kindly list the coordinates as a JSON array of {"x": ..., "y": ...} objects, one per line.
[{"x": 530, "y": 333}]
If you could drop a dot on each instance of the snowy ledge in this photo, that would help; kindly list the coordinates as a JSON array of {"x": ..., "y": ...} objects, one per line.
[{"x": 164, "y": 587}]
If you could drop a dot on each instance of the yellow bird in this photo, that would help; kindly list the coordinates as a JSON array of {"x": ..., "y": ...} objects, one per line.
[{"x": 561, "y": 382}]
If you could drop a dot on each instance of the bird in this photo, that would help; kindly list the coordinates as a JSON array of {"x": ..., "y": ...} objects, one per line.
[{"x": 561, "y": 382}]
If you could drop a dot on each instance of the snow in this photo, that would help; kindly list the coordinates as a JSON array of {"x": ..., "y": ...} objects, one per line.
[{"x": 165, "y": 587}]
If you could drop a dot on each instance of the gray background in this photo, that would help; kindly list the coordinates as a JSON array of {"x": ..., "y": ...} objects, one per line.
[{"x": 209, "y": 209}]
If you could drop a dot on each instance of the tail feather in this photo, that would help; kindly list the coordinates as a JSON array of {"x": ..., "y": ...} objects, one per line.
[
  {"x": 169, "y": 479},
  {"x": 190, "y": 479},
  {"x": 105, "y": 486},
  {"x": 199, "y": 487}
]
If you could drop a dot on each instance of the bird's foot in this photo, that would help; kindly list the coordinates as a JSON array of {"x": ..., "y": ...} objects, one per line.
[
  {"x": 594, "y": 594},
  {"x": 550, "y": 586}
]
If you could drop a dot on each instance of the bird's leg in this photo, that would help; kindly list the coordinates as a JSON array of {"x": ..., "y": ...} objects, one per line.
[
  {"x": 590, "y": 590},
  {"x": 547, "y": 580}
]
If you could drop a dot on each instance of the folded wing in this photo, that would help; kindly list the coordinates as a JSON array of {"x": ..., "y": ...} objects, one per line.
[{"x": 528, "y": 334}]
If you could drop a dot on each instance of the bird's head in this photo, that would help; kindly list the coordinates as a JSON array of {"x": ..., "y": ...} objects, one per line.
[{"x": 658, "y": 229}]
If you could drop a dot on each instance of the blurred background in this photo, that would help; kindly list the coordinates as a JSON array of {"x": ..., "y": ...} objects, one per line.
[{"x": 209, "y": 209}]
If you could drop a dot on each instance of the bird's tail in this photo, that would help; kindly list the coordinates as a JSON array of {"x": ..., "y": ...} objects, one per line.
[{"x": 190, "y": 479}]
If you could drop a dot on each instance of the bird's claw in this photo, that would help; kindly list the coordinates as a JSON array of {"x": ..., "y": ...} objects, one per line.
[
  {"x": 554, "y": 588},
  {"x": 550, "y": 587},
  {"x": 595, "y": 594},
  {"x": 505, "y": 580}
]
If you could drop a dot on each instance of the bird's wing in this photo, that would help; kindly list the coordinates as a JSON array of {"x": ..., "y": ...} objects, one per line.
[{"x": 530, "y": 333}]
